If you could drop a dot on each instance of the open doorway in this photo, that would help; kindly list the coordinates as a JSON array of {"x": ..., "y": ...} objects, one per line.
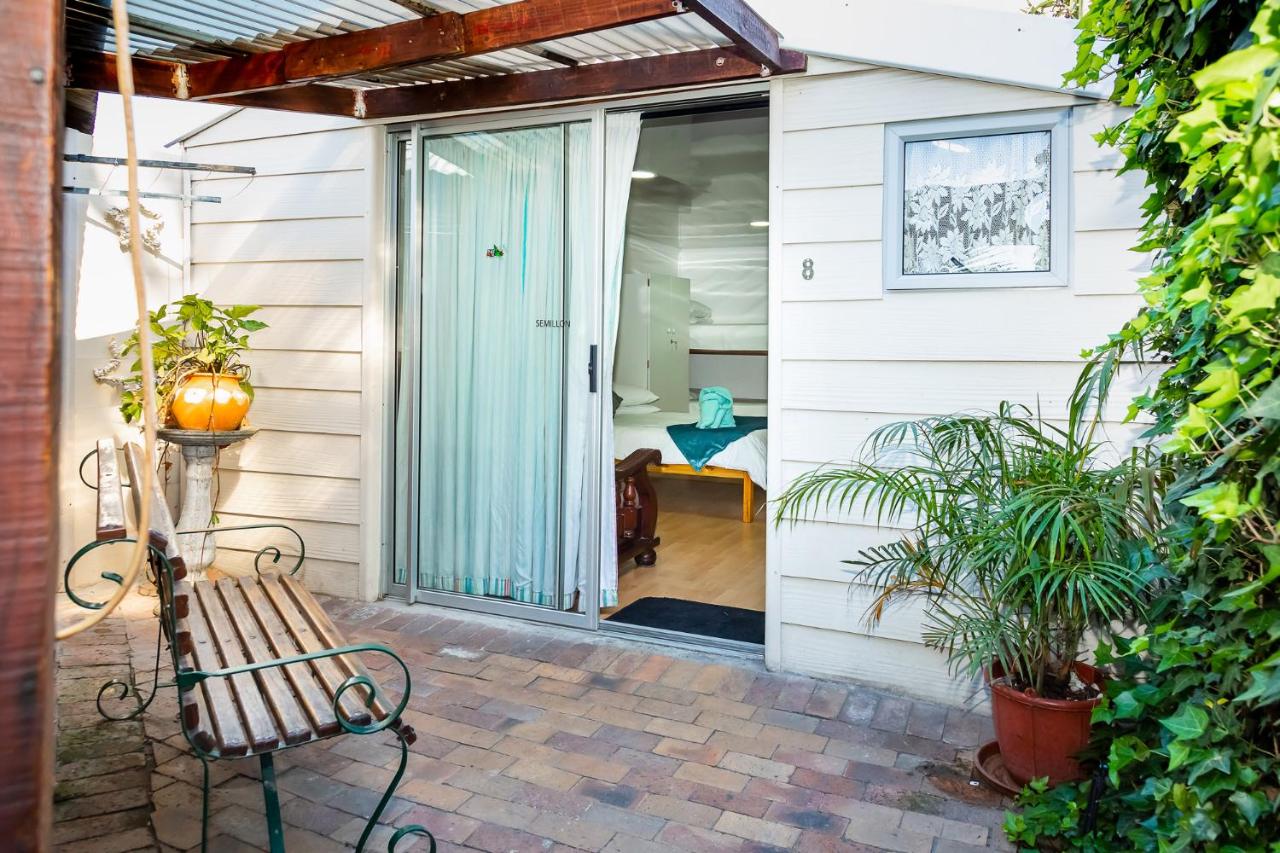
[{"x": 690, "y": 376}]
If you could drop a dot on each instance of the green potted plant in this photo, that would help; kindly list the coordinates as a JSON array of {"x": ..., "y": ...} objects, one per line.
[
  {"x": 1022, "y": 538},
  {"x": 201, "y": 381}
]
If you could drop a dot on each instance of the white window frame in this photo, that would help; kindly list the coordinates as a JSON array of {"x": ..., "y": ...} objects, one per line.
[{"x": 897, "y": 135}]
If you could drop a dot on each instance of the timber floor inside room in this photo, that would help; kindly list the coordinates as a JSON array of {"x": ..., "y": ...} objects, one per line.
[{"x": 707, "y": 554}]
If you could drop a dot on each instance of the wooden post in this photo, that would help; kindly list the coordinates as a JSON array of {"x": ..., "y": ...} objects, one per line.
[{"x": 30, "y": 174}]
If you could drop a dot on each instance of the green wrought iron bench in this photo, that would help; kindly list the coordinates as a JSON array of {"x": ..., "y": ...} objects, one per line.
[{"x": 258, "y": 665}]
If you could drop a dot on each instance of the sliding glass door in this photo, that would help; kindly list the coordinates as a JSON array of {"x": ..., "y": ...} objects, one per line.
[{"x": 493, "y": 408}]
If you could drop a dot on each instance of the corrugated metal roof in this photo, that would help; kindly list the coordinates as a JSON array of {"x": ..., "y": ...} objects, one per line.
[{"x": 200, "y": 30}]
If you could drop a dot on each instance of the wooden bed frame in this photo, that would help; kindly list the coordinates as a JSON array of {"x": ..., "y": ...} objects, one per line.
[{"x": 748, "y": 487}]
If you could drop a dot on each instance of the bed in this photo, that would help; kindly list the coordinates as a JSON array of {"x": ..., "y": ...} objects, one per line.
[{"x": 743, "y": 460}]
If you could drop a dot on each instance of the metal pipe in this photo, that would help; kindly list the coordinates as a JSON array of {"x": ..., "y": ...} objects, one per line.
[{"x": 160, "y": 164}]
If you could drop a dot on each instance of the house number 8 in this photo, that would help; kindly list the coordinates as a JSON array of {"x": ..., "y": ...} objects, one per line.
[{"x": 806, "y": 269}]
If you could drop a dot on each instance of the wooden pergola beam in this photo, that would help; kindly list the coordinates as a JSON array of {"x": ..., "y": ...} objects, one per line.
[
  {"x": 157, "y": 78},
  {"x": 30, "y": 400},
  {"x": 423, "y": 40},
  {"x": 602, "y": 79},
  {"x": 739, "y": 23}
]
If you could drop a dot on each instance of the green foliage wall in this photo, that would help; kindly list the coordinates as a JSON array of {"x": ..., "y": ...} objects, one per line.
[{"x": 1191, "y": 731}]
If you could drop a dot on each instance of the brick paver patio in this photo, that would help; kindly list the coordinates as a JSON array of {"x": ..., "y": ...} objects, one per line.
[{"x": 538, "y": 739}]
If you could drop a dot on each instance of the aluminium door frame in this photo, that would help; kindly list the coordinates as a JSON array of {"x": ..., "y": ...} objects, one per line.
[{"x": 601, "y": 413}]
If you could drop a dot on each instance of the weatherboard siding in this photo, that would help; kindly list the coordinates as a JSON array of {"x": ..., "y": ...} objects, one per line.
[
  {"x": 296, "y": 239},
  {"x": 847, "y": 357}
]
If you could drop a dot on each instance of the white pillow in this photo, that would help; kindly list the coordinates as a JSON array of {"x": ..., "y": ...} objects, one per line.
[
  {"x": 633, "y": 395},
  {"x": 646, "y": 409}
]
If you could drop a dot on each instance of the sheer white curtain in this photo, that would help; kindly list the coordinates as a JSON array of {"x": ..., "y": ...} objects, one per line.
[
  {"x": 622, "y": 137},
  {"x": 493, "y": 366}
]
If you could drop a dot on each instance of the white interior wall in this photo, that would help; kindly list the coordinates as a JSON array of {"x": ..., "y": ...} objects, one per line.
[
  {"x": 693, "y": 221},
  {"x": 846, "y": 357}
]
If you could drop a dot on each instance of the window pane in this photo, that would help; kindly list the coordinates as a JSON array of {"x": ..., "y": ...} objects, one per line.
[{"x": 976, "y": 204}]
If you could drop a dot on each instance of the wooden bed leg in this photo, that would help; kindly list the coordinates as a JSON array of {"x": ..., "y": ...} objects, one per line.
[{"x": 748, "y": 498}]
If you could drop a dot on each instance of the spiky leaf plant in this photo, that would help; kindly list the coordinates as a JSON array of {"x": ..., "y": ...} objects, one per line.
[{"x": 1021, "y": 535}]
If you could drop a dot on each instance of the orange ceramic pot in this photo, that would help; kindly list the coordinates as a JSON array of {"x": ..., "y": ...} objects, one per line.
[{"x": 207, "y": 401}]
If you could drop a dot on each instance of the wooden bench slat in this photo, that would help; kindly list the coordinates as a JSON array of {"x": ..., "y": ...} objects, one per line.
[
  {"x": 258, "y": 721},
  {"x": 221, "y": 719},
  {"x": 318, "y": 706},
  {"x": 290, "y": 718},
  {"x": 328, "y": 633},
  {"x": 162, "y": 533},
  {"x": 327, "y": 671},
  {"x": 111, "y": 519}
]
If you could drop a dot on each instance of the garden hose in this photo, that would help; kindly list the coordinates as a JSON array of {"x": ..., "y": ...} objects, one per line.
[{"x": 139, "y": 553}]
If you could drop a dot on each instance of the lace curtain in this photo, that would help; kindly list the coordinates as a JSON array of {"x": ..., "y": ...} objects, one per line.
[{"x": 977, "y": 204}]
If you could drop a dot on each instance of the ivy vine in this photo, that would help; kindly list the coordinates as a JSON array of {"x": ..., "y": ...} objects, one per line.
[{"x": 1190, "y": 730}]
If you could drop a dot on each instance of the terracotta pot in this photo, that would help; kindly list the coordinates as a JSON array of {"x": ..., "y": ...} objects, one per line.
[
  {"x": 1038, "y": 736},
  {"x": 206, "y": 401}
]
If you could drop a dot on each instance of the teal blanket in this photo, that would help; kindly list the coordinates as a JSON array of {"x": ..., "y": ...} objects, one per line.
[{"x": 699, "y": 445}]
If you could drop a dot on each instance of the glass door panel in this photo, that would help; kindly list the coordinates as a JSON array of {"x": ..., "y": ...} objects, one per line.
[{"x": 493, "y": 509}]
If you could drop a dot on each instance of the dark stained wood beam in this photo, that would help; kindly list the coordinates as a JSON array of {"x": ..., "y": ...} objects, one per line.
[
  {"x": 156, "y": 78},
  {"x": 597, "y": 80},
  {"x": 439, "y": 37},
  {"x": 378, "y": 49},
  {"x": 31, "y": 97},
  {"x": 739, "y": 23}
]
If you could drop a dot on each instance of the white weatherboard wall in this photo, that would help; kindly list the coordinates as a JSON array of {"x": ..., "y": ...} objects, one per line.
[
  {"x": 846, "y": 357},
  {"x": 301, "y": 239}
]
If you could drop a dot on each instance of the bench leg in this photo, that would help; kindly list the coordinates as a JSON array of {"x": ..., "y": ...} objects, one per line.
[
  {"x": 409, "y": 829},
  {"x": 275, "y": 828}
]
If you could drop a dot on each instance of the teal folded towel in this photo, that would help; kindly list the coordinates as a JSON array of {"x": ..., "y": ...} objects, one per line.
[{"x": 715, "y": 408}]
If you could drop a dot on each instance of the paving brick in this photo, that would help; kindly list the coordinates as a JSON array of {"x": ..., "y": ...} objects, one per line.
[
  {"x": 686, "y": 751},
  {"x": 501, "y": 839},
  {"x": 826, "y": 702},
  {"x": 726, "y": 723},
  {"x": 942, "y": 827},
  {"x": 726, "y": 706},
  {"x": 428, "y": 793},
  {"x": 888, "y": 837},
  {"x": 832, "y": 764},
  {"x": 840, "y": 785},
  {"x": 444, "y": 825},
  {"x": 490, "y": 811},
  {"x": 755, "y": 829},
  {"x": 481, "y": 759},
  {"x": 926, "y": 720},
  {"x": 626, "y": 821},
  {"x": 679, "y": 810},
  {"x": 545, "y": 775},
  {"x": 753, "y": 765},
  {"x": 621, "y": 796},
  {"x": 809, "y": 819},
  {"x": 966, "y": 729},
  {"x": 713, "y": 776},
  {"x": 699, "y": 840},
  {"x": 576, "y": 832}
]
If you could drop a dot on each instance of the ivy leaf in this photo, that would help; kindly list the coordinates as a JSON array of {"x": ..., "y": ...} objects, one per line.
[
  {"x": 1267, "y": 404},
  {"x": 1237, "y": 65},
  {"x": 1262, "y": 295},
  {"x": 1188, "y": 724},
  {"x": 1179, "y": 752},
  {"x": 1251, "y": 804}
]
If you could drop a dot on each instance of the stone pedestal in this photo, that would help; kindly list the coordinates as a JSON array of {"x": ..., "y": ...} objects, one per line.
[{"x": 199, "y": 448}]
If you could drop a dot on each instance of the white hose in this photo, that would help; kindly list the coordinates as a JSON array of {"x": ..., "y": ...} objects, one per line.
[{"x": 138, "y": 555}]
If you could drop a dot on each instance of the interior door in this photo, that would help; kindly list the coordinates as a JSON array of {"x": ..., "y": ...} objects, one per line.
[
  {"x": 497, "y": 399},
  {"x": 669, "y": 341}
]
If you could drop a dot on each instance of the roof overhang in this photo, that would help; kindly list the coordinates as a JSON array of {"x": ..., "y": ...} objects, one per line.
[
  {"x": 432, "y": 57},
  {"x": 952, "y": 39}
]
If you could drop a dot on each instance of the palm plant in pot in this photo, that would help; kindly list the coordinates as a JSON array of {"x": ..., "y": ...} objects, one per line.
[
  {"x": 201, "y": 381},
  {"x": 1023, "y": 538}
]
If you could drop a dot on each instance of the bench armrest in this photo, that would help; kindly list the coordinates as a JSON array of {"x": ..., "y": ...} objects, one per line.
[
  {"x": 192, "y": 677},
  {"x": 270, "y": 549},
  {"x": 114, "y": 577}
]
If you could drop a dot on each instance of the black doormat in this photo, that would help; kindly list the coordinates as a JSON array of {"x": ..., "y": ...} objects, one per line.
[{"x": 694, "y": 617}]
